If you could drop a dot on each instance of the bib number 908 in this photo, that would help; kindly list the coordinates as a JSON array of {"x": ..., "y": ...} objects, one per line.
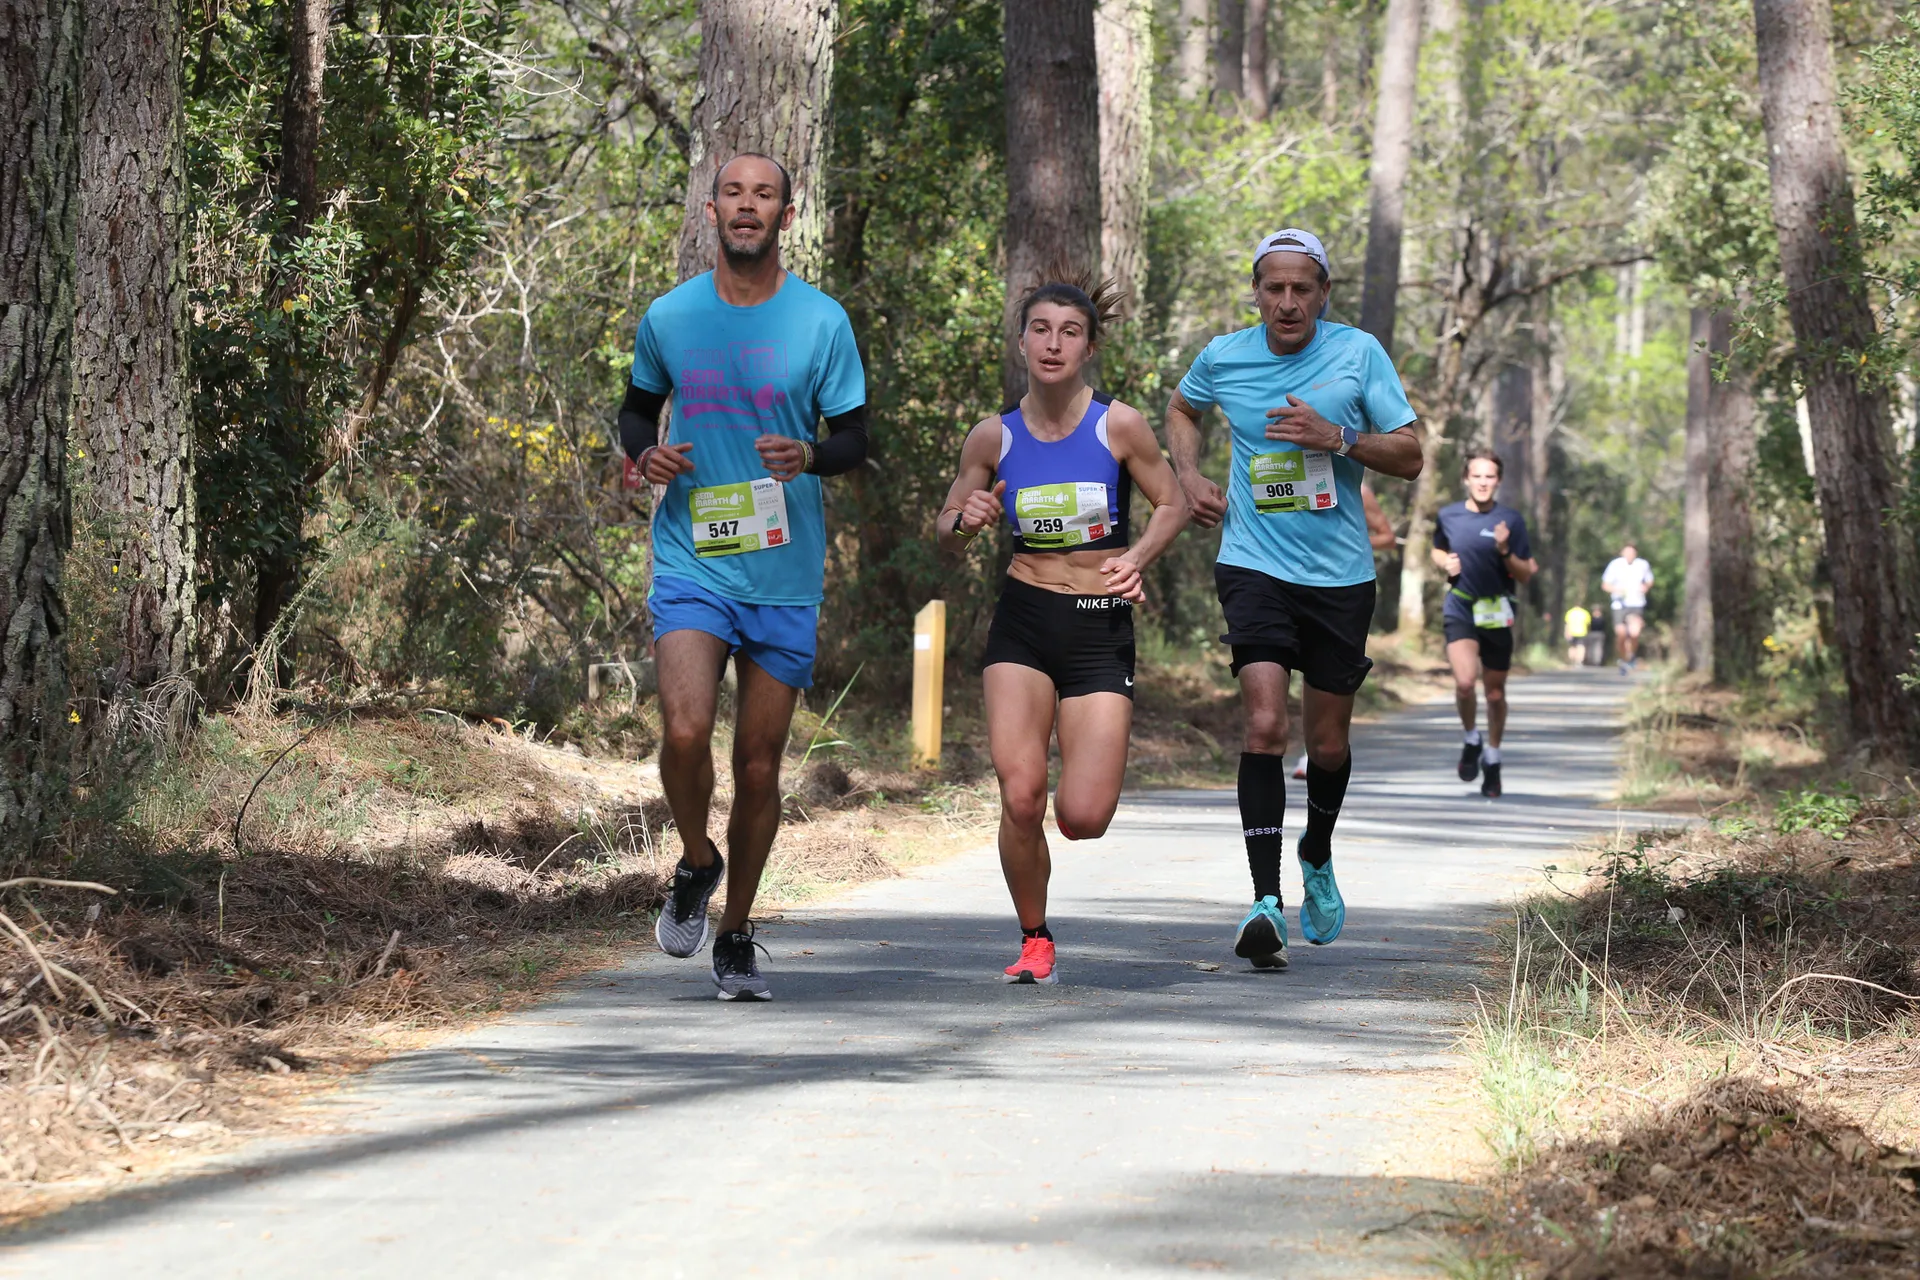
[{"x": 1278, "y": 491}]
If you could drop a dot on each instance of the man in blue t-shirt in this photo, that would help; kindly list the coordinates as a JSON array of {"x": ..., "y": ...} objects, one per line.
[
  {"x": 753, "y": 357},
  {"x": 1311, "y": 405},
  {"x": 1484, "y": 550}
]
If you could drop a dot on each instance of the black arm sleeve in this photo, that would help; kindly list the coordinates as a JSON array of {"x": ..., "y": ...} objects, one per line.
[
  {"x": 640, "y": 420},
  {"x": 845, "y": 447}
]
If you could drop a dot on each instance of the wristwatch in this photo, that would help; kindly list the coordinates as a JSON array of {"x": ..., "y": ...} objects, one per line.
[
  {"x": 958, "y": 518},
  {"x": 1349, "y": 437}
]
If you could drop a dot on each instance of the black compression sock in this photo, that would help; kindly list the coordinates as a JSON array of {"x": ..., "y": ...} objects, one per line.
[
  {"x": 1326, "y": 792},
  {"x": 1038, "y": 931},
  {"x": 1263, "y": 812}
]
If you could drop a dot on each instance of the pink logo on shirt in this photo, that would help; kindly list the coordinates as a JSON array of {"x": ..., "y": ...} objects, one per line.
[{"x": 739, "y": 387}]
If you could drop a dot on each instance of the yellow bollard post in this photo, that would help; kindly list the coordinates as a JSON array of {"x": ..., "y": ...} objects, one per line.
[{"x": 929, "y": 682}]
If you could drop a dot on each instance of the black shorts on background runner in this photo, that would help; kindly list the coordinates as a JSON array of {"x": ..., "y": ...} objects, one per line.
[
  {"x": 1321, "y": 632},
  {"x": 1084, "y": 644},
  {"x": 1496, "y": 643}
]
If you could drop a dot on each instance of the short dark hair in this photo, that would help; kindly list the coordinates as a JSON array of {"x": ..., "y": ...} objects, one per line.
[
  {"x": 786, "y": 179},
  {"x": 1287, "y": 246},
  {"x": 1484, "y": 455}
]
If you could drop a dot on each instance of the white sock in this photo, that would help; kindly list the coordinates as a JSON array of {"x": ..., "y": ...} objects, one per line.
[
  {"x": 1473, "y": 738},
  {"x": 1490, "y": 756}
]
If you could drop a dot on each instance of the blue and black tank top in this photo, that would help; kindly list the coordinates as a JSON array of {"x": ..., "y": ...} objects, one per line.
[{"x": 1069, "y": 494}]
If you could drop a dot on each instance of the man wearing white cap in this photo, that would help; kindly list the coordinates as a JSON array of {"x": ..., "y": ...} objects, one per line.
[{"x": 1311, "y": 405}]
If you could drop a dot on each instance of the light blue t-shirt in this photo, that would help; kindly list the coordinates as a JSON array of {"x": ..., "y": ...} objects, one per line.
[
  {"x": 737, "y": 373},
  {"x": 1348, "y": 379}
]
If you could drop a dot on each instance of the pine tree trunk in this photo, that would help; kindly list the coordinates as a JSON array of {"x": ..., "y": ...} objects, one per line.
[
  {"x": 1696, "y": 556},
  {"x": 131, "y": 393},
  {"x": 1548, "y": 386},
  {"x": 1193, "y": 30},
  {"x": 1740, "y": 620},
  {"x": 1053, "y": 150},
  {"x": 1230, "y": 52},
  {"x": 766, "y": 73},
  {"x": 1387, "y": 176},
  {"x": 1813, "y": 215},
  {"x": 1329, "y": 66},
  {"x": 1124, "y": 33},
  {"x": 1259, "y": 74},
  {"x": 40, "y": 59}
]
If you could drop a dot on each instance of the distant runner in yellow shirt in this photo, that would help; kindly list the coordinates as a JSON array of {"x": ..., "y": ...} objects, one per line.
[{"x": 1579, "y": 622}]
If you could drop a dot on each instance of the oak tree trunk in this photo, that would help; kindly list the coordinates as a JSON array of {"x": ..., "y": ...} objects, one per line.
[
  {"x": 766, "y": 73},
  {"x": 1053, "y": 150},
  {"x": 1387, "y": 173},
  {"x": 131, "y": 395},
  {"x": 40, "y": 58},
  {"x": 1230, "y": 52},
  {"x": 1740, "y": 618},
  {"x": 1259, "y": 71},
  {"x": 1697, "y": 628},
  {"x": 1193, "y": 31},
  {"x": 1124, "y": 33},
  {"x": 1813, "y": 215}
]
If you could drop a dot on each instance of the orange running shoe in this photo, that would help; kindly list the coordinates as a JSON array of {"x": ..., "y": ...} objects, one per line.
[{"x": 1035, "y": 963}]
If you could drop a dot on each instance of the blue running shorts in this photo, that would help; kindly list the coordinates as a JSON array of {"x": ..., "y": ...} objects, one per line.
[{"x": 780, "y": 639}]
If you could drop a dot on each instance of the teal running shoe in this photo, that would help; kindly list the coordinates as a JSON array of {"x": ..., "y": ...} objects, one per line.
[
  {"x": 1323, "y": 913},
  {"x": 1263, "y": 935}
]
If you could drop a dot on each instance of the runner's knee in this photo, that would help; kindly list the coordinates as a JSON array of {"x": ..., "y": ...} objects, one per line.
[
  {"x": 758, "y": 773},
  {"x": 686, "y": 739},
  {"x": 1267, "y": 731},
  {"x": 1496, "y": 693},
  {"x": 1024, "y": 801},
  {"x": 1078, "y": 820}
]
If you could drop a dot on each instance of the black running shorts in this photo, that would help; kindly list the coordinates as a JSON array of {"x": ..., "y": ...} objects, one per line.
[
  {"x": 1496, "y": 643},
  {"x": 1084, "y": 644},
  {"x": 1321, "y": 632}
]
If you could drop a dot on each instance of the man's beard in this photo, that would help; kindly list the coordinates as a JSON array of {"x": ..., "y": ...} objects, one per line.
[{"x": 749, "y": 253}]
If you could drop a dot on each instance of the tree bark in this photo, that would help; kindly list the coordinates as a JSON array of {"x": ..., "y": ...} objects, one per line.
[
  {"x": 132, "y": 400},
  {"x": 1053, "y": 150},
  {"x": 40, "y": 59},
  {"x": 1740, "y": 620},
  {"x": 1259, "y": 76},
  {"x": 766, "y": 73},
  {"x": 1387, "y": 171},
  {"x": 1813, "y": 216},
  {"x": 1193, "y": 26},
  {"x": 1695, "y": 519},
  {"x": 1230, "y": 52},
  {"x": 1329, "y": 66},
  {"x": 1124, "y": 33}
]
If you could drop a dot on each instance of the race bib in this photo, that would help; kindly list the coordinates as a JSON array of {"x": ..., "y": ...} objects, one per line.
[
  {"x": 1297, "y": 480},
  {"x": 730, "y": 519},
  {"x": 1492, "y": 612},
  {"x": 1062, "y": 515}
]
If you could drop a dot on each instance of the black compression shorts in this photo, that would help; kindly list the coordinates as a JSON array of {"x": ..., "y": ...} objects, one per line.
[
  {"x": 1321, "y": 632},
  {"x": 1084, "y": 644},
  {"x": 1496, "y": 643}
]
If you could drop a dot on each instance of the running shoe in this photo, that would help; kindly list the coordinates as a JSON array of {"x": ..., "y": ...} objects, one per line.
[
  {"x": 1490, "y": 785},
  {"x": 1034, "y": 965},
  {"x": 1263, "y": 935},
  {"x": 1323, "y": 913},
  {"x": 736, "y": 971},
  {"x": 1300, "y": 766},
  {"x": 1469, "y": 761},
  {"x": 682, "y": 928}
]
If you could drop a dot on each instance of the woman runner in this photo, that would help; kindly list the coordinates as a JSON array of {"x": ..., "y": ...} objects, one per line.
[{"x": 1062, "y": 632}]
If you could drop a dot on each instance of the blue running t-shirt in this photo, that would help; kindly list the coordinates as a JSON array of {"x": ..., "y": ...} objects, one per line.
[
  {"x": 1348, "y": 379},
  {"x": 737, "y": 373}
]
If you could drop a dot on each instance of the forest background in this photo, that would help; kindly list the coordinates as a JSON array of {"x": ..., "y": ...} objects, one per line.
[{"x": 346, "y": 437}]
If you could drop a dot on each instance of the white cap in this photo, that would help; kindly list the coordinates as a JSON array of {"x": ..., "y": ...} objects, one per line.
[{"x": 1293, "y": 240}]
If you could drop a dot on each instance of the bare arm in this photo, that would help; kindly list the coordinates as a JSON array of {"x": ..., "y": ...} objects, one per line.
[
  {"x": 1204, "y": 499},
  {"x": 1134, "y": 445},
  {"x": 1379, "y": 528},
  {"x": 974, "y": 496},
  {"x": 1391, "y": 453}
]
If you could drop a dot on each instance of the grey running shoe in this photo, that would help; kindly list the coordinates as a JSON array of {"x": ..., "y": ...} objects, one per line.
[
  {"x": 735, "y": 970},
  {"x": 682, "y": 928}
]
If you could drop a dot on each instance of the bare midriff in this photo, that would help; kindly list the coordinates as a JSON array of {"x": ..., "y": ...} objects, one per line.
[{"x": 1071, "y": 573}]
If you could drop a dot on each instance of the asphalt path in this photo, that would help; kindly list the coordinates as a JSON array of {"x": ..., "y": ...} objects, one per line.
[{"x": 896, "y": 1111}]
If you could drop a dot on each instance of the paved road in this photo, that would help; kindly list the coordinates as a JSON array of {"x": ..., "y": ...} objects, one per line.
[{"x": 895, "y": 1111}]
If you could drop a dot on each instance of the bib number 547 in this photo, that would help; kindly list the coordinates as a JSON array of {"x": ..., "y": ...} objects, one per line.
[{"x": 723, "y": 528}]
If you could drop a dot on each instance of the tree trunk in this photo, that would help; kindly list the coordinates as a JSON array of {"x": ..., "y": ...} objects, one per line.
[
  {"x": 1548, "y": 388},
  {"x": 132, "y": 400},
  {"x": 1053, "y": 150},
  {"x": 1740, "y": 620},
  {"x": 1193, "y": 28},
  {"x": 1329, "y": 66},
  {"x": 1125, "y": 37},
  {"x": 766, "y": 73},
  {"x": 1230, "y": 52},
  {"x": 1259, "y": 83},
  {"x": 1387, "y": 174},
  {"x": 40, "y": 59},
  {"x": 1827, "y": 302},
  {"x": 1695, "y": 519}
]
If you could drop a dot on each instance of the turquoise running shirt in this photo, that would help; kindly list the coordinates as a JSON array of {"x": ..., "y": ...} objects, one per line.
[
  {"x": 737, "y": 373},
  {"x": 1291, "y": 530}
]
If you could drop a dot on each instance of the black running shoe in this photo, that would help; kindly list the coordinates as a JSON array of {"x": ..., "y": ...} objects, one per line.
[
  {"x": 1490, "y": 785},
  {"x": 735, "y": 969},
  {"x": 682, "y": 928},
  {"x": 1469, "y": 761}
]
